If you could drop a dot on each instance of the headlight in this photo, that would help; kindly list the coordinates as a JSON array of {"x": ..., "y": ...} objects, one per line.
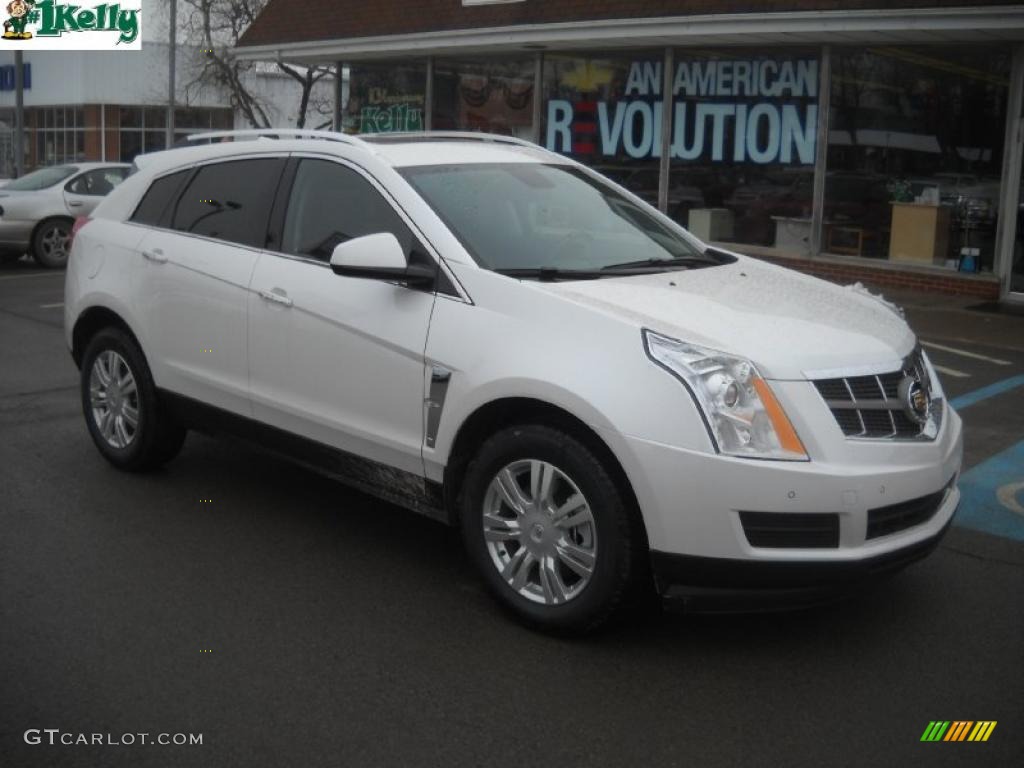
[
  {"x": 933, "y": 378},
  {"x": 738, "y": 406}
]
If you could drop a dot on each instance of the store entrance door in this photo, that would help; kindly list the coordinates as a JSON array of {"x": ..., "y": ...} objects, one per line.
[
  {"x": 1016, "y": 255},
  {"x": 1012, "y": 207}
]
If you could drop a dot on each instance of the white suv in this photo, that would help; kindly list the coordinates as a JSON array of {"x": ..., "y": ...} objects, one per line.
[{"x": 498, "y": 337}]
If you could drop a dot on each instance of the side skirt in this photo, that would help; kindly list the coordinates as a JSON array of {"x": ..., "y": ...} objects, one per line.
[{"x": 395, "y": 486}]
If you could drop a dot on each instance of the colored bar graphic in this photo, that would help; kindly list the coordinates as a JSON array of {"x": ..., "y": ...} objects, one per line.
[
  {"x": 958, "y": 730},
  {"x": 935, "y": 730}
]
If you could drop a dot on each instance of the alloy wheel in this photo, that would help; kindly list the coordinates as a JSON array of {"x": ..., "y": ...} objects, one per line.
[
  {"x": 54, "y": 243},
  {"x": 114, "y": 399},
  {"x": 540, "y": 532}
]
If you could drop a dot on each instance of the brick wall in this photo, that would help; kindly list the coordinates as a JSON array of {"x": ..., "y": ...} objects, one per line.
[
  {"x": 927, "y": 282},
  {"x": 299, "y": 20}
]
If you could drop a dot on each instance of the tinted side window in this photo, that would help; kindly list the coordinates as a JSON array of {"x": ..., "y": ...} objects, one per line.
[
  {"x": 330, "y": 204},
  {"x": 97, "y": 183},
  {"x": 230, "y": 201},
  {"x": 157, "y": 199}
]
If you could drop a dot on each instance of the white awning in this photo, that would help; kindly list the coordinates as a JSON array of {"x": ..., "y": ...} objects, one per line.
[{"x": 984, "y": 24}]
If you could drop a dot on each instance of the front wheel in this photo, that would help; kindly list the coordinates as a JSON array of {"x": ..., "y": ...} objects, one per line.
[
  {"x": 51, "y": 243},
  {"x": 548, "y": 528},
  {"x": 125, "y": 418}
]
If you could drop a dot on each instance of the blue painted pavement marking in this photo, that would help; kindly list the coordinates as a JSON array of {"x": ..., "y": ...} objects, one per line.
[
  {"x": 984, "y": 393},
  {"x": 993, "y": 495}
]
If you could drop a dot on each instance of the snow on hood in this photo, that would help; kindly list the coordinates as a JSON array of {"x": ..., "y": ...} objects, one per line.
[{"x": 786, "y": 322}]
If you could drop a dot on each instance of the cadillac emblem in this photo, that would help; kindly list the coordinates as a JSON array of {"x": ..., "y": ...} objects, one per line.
[{"x": 917, "y": 402}]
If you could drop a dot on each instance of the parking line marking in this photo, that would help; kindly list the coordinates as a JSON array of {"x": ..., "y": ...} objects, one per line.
[
  {"x": 30, "y": 274},
  {"x": 990, "y": 493},
  {"x": 965, "y": 353},
  {"x": 61, "y": 304},
  {"x": 971, "y": 398},
  {"x": 951, "y": 372}
]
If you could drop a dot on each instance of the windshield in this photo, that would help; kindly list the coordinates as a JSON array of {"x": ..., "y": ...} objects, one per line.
[
  {"x": 522, "y": 216},
  {"x": 41, "y": 179}
]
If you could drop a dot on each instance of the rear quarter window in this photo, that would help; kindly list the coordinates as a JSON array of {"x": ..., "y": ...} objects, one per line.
[{"x": 155, "y": 207}]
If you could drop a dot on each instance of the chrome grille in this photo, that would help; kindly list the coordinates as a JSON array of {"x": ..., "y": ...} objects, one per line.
[{"x": 871, "y": 406}]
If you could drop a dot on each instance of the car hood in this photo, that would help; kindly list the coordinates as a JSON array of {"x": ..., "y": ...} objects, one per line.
[{"x": 786, "y": 322}]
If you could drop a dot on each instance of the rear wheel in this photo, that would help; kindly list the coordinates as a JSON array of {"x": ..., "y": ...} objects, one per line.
[
  {"x": 124, "y": 416},
  {"x": 52, "y": 242},
  {"x": 548, "y": 528}
]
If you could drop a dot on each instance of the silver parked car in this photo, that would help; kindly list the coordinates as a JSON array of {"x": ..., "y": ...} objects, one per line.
[{"x": 38, "y": 210}]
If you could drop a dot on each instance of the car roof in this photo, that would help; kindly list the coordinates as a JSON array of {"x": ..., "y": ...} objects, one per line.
[
  {"x": 396, "y": 150},
  {"x": 91, "y": 166}
]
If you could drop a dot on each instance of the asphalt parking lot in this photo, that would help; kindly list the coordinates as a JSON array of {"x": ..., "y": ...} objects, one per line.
[{"x": 293, "y": 622}]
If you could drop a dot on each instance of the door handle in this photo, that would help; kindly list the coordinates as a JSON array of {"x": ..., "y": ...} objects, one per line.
[
  {"x": 75, "y": 204},
  {"x": 277, "y": 296},
  {"x": 156, "y": 255}
]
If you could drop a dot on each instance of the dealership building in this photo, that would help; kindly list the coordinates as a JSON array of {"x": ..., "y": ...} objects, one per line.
[
  {"x": 111, "y": 105},
  {"x": 854, "y": 139}
]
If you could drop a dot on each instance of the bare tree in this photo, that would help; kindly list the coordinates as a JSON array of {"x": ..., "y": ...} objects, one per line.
[{"x": 215, "y": 26}]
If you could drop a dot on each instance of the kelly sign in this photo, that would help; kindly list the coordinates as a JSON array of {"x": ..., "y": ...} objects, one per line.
[
  {"x": 48, "y": 25},
  {"x": 741, "y": 111}
]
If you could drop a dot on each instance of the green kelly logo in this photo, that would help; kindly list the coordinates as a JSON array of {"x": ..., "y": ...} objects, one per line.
[{"x": 57, "y": 19}]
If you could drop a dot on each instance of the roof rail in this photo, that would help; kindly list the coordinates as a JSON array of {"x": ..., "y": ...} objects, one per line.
[
  {"x": 453, "y": 135},
  {"x": 278, "y": 133}
]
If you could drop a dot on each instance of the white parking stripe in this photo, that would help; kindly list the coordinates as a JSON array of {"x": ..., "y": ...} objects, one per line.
[
  {"x": 951, "y": 372},
  {"x": 51, "y": 306},
  {"x": 965, "y": 353},
  {"x": 32, "y": 274}
]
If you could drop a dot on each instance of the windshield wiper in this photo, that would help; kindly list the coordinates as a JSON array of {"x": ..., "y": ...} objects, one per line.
[
  {"x": 679, "y": 262},
  {"x": 553, "y": 273}
]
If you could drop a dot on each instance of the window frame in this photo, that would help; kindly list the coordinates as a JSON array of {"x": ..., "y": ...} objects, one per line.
[
  {"x": 168, "y": 218},
  {"x": 190, "y": 171},
  {"x": 163, "y": 220},
  {"x": 446, "y": 284},
  {"x": 104, "y": 169}
]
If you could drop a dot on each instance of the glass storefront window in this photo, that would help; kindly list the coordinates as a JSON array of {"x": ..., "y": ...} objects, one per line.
[
  {"x": 154, "y": 141},
  {"x": 386, "y": 97},
  {"x": 131, "y": 117},
  {"x": 605, "y": 111},
  {"x": 744, "y": 137},
  {"x": 494, "y": 96},
  {"x": 155, "y": 117},
  {"x": 915, "y": 154},
  {"x": 131, "y": 145}
]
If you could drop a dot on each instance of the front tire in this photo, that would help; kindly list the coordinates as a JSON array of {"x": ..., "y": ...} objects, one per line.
[
  {"x": 122, "y": 410},
  {"x": 548, "y": 528},
  {"x": 51, "y": 243}
]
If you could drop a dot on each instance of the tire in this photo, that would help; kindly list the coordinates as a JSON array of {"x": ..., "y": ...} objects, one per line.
[
  {"x": 155, "y": 437},
  {"x": 51, "y": 243},
  {"x": 562, "y": 597}
]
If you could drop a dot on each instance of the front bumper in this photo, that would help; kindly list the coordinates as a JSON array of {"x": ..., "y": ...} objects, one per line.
[
  {"x": 715, "y": 584},
  {"x": 15, "y": 235},
  {"x": 692, "y": 502}
]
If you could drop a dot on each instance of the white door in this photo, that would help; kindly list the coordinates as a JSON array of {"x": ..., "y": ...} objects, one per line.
[
  {"x": 194, "y": 281},
  {"x": 338, "y": 359}
]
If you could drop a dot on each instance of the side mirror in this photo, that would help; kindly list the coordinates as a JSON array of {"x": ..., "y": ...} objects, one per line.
[{"x": 379, "y": 257}]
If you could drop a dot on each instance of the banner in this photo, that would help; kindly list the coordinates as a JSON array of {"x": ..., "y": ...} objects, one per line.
[{"x": 761, "y": 111}]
